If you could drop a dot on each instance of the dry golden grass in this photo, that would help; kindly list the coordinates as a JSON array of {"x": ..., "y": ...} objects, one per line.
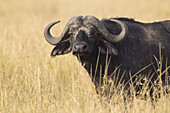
[{"x": 33, "y": 82}]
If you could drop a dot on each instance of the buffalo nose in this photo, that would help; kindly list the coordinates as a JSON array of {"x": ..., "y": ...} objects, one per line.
[{"x": 80, "y": 47}]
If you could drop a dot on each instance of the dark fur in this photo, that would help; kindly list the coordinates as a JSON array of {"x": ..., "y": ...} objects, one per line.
[{"x": 135, "y": 51}]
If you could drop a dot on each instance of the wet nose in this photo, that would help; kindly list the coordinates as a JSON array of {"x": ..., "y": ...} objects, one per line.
[{"x": 80, "y": 47}]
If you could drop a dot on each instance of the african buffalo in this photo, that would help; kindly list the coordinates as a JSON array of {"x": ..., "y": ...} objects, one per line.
[{"x": 116, "y": 45}]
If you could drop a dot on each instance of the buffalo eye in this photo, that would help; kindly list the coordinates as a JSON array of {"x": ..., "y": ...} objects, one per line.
[
  {"x": 92, "y": 31},
  {"x": 72, "y": 31}
]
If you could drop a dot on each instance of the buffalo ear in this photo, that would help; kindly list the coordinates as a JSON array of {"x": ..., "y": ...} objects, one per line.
[
  {"x": 61, "y": 48},
  {"x": 108, "y": 47}
]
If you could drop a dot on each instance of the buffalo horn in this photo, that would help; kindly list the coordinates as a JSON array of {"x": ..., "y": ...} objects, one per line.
[
  {"x": 107, "y": 35},
  {"x": 54, "y": 40}
]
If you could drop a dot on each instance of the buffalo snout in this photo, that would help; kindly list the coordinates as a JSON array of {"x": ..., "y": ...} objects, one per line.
[{"x": 80, "y": 47}]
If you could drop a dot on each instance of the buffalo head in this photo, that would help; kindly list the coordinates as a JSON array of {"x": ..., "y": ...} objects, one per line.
[{"x": 85, "y": 36}]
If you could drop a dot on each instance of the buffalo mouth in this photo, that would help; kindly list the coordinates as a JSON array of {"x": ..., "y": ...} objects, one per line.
[{"x": 80, "y": 54}]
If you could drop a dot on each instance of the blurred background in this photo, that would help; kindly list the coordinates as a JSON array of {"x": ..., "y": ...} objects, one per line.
[
  {"x": 29, "y": 17},
  {"x": 32, "y": 81}
]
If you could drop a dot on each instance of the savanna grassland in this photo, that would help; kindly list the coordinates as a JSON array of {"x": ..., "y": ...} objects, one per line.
[{"x": 33, "y": 82}]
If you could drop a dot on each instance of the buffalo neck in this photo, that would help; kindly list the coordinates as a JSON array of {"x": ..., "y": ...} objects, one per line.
[{"x": 99, "y": 66}]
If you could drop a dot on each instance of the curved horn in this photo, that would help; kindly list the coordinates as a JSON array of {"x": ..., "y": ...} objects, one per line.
[
  {"x": 54, "y": 40},
  {"x": 108, "y": 36},
  {"x": 50, "y": 39},
  {"x": 124, "y": 31}
]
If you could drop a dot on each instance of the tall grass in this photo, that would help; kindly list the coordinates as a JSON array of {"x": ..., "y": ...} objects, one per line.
[{"x": 33, "y": 82}]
